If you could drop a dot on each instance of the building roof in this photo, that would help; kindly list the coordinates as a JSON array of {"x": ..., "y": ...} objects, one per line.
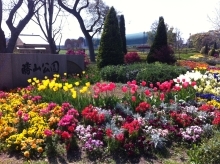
[{"x": 32, "y": 39}]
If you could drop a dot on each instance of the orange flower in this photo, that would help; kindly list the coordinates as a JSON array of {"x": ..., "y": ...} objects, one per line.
[
  {"x": 40, "y": 149},
  {"x": 34, "y": 146},
  {"x": 27, "y": 154}
]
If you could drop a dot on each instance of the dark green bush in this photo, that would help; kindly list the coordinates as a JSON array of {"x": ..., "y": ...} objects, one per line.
[
  {"x": 110, "y": 49},
  {"x": 211, "y": 52},
  {"x": 160, "y": 72},
  {"x": 121, "y": 73},
  {"x": 141, "y": 71}
]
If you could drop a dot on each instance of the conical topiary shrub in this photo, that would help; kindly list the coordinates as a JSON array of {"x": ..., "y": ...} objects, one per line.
[
  {"x": 160, "y": 51},
  {"x": 110, "y": 49}
]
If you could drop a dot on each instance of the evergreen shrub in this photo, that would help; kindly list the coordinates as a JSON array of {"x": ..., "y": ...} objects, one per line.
[
  {"x": 154, "y": 72},
  {"x": 110, "y": 50}
]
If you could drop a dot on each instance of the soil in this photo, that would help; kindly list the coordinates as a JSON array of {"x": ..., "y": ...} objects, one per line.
[{"x": 172, "y": 156}]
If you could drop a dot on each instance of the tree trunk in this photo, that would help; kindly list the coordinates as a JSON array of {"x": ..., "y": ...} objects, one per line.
[
  {"x": 91, "y": 48},
  {"x": 82, "y": 26},
  {"x": 12, "y": 42},
  {"x": 2, "y": 34},
  {"x": 53, "y": 47},
  {"x": 2, "y": 42},
  {"x": 88, "y": 38}
]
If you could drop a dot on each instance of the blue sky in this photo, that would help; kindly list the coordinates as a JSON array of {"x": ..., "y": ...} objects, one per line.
[{"x": 189, "y": 16}]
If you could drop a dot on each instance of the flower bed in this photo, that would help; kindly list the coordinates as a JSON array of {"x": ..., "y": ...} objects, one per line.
[
  {"x": 141, "y": 121},
  {"x": 192, "y": 64}
]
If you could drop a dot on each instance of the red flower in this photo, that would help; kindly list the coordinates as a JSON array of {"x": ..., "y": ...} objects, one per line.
[
  {"x": 206, "y": 107},
  {"x": 147, "y": 93},
  {"x": 65, "y": 135},
  {"x": 143, "y": 83},
  {"x": 142, "y": 107},
  {"x": 193, "y": 83},
  {"x": 185, "y": 84},
  {"x": 90, "y": 113},
  {"x": 132, "y": 127},
  {"x": 216, "y": 120},
  {"x": 124, "y": 89},
  {"x": 181, "y": 119},
  {"x": 120, "y": 137},
  {"x": 48, "y": 132},
  {"x": 109, "y": 132},
  {"x": 162, "y": 96},
  {"x": 133, "y": 98},
  {"x": 71, "y": 128}
]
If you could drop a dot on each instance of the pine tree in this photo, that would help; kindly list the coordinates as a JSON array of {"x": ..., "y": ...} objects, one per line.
[
  {"x": 122, "y": 32},
  {"x": 160, "y": 51},
  {"x": 206, "y": 49},
  {"x": 110, "y": 49},
  {"x": 215, "y": 46}
]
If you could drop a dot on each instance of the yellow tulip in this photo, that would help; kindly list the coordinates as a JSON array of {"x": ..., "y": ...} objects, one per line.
[
  {"x": 70, "y": 86},
  {"x": 55, "y": 89},
  {"x": 88, "y": 84},
  {"x": 60, "y": 85},
  {"x": 29, "y": 80},
  {"x": 65, "y": 88},
  {"x": 74, "y": 94},
  {"x": 77, "y": 83}
]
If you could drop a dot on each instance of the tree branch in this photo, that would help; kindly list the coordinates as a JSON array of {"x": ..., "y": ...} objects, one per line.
[
  {"x": 75, "y": 5},
  {"x": 83, "y": 7},
  {"x": 56, "y": 16},
  {"x": 64, "y": 6},
  {"x": 99, "y": 16},
  {"x": 9, "y": 21}
]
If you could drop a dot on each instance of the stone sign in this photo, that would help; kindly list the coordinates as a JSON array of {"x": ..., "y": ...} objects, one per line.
[{"x": 15, "y": 69}]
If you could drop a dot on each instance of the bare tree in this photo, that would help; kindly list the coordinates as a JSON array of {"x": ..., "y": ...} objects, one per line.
[
  {"x": 215, "y": 20},
  {"x": 178, "y": 41},
  {"x": 2, "y": 35},
  {"x": 46, "y": 22},
  {"x": 16, "y": 30},
  {"x": 151, "y": 34},
  {"x": 95, "y": 8}
]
